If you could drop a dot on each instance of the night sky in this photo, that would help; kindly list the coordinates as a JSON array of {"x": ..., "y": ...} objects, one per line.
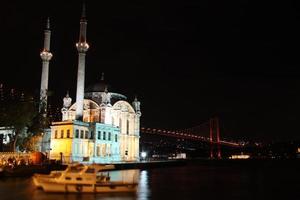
[{"x": 185, "y": 60}]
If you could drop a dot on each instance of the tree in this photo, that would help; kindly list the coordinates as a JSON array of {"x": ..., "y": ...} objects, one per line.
[
  {"x": 29, "y": 142},
  {"x": 18, "y": 114}
]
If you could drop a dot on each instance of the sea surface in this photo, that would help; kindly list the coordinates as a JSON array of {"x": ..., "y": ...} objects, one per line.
[{"x": 195, "y": 180}]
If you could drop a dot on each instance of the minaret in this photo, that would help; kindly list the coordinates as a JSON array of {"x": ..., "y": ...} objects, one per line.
[
  {"x": 82, "y": 47},
  {"x": 136, "y": 139},
  {"x": 46, "y": 56},
  {"x": 137, "y": 106}
]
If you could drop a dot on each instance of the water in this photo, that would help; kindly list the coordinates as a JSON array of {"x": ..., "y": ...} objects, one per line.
[{"x": 257, "y": 180}]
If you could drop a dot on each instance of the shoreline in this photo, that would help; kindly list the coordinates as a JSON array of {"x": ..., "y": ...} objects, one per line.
[{"x": 29, "y": 170}]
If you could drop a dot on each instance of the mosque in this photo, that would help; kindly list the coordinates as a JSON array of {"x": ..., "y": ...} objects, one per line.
[{"x": 101, "y": 126}]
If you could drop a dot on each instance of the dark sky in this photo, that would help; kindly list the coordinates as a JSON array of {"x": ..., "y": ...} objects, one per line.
[{"x": 186, "y": 60}]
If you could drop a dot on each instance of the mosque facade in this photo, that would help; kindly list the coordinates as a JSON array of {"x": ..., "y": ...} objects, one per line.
[{"x": 101, "y": 126}]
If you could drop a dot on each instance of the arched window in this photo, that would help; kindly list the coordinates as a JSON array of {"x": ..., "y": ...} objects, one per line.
[
  {"x": 127, "y": 127},
  {"x": 120, "y": 125}
]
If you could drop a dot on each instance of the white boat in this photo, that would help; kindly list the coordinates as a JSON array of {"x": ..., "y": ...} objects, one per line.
[
  {"x": 87, "y": 179},
  {"x": 39, "y": 178}
]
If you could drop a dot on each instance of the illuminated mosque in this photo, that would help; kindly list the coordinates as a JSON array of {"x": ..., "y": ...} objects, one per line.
[{"x": 101, "y": 126}]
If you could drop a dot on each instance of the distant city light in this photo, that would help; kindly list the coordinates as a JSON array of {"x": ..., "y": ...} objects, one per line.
[{"x": 242, "y": 156}]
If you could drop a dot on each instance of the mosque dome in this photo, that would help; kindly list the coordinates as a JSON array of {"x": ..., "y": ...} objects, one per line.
[
  {"x": 94, "y": 92},
  {"x": 99, "y": 86}
]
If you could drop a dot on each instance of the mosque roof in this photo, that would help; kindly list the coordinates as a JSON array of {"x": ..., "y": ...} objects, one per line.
[{"x": 99, "y": 86}]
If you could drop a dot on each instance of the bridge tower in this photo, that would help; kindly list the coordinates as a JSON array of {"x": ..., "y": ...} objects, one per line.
[{"x": 214, "y": 137}]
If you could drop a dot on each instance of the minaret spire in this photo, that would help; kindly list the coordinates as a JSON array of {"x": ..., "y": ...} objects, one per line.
[
  {"x": 82, "y": 47},
  {"x": 83, "y": 15},
  {"x": 46, "y": 56},
  {"x": 48, "y": 24}
]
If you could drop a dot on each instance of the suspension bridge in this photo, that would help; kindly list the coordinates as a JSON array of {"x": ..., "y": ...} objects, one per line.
[{"x": 207, "y": 132}]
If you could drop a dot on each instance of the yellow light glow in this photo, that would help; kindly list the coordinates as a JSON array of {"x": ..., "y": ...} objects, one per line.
[{"x": 239, "y": 157}]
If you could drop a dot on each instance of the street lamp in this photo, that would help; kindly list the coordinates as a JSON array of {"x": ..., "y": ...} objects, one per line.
[{"x": 143, "y": 155}]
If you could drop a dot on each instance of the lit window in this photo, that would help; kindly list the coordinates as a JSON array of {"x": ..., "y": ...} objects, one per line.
[
  {"x": 68, "y": 133},
  {"x": 104, "y": 135},
  {"x": 81, "y": 134},
  {"x": 62, "y": 134},
  {"x": 86, "y": 134},
  {"x": 98, "y": 150},
  {"x": 127, "y": 127},
  {"x": 104, "y": 150},
  {"x": 92, "y": 135}
]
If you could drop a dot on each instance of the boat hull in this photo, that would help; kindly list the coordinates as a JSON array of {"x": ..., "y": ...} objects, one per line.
[{"x": 89, "y": 188}]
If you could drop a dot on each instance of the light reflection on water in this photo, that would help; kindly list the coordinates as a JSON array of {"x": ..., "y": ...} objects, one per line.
[
  {"x": 253, "y": 180},
  {"x": 23, "y": 189},
  {"x": 143, "y": 189}
]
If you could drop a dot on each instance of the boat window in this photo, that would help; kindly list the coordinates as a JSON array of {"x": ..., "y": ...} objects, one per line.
[
  {"x": 78, "y": 178},
  {"x": 74, "y": 169},
  {"x": 68, "y": 178},
  {"x": 90, "y": 170}
]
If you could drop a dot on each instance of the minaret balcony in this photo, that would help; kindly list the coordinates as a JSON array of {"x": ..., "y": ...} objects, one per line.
[
  {"x": 82, "y": 46},
  {"x": 46, "y": 55}
]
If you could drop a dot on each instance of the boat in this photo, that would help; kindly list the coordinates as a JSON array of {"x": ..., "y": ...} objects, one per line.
[
  {"x": 38, "y": 178},
  {"x": 86, "y": 179}
]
